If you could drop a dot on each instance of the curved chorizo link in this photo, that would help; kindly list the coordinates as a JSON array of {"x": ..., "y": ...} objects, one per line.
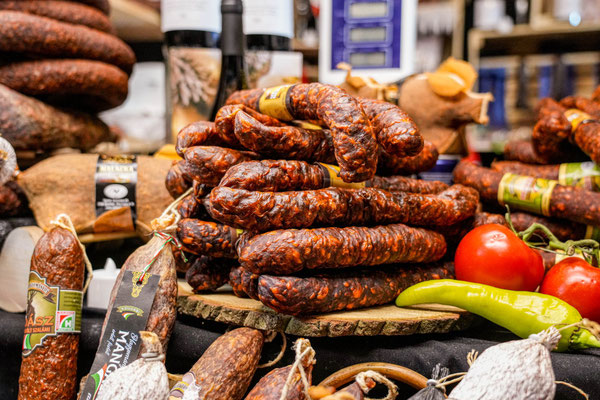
[
  {"x": 243, "y": 282},
  {"x": 288, "y": 251},
  {"x": 287, "y": 175},
  {"x": 284, "y": 141},
  {"x": 207, "y": 238},
  {"x": 207, "y": 273},
  {"x": 396, "y": 132},
  {"x": 208, "y": 164},
  {"x": 345, "y": 290},
  {"x": 354, "y": 141},
  {"x": 200, "y": 133},
  {"x": 393, "y": 165},
  {"x": 225, "y": 119},
  {"x": 262, "y": 211},
  {"x": 175, "y": 182}
]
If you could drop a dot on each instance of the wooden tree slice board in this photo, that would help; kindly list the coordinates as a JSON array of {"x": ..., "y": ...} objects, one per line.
[{"x": 388, "y": 320}]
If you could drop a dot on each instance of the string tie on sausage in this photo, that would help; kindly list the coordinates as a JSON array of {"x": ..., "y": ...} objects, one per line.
[
  {"x": 303, "y": 350},
  {"x": 361, "y": 380},
  {"x": 167, "y": 239}
]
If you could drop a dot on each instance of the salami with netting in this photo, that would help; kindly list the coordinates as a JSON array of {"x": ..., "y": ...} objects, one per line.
[
  {"x": 288, "y": 251},
  {"x": 263, "y": 211},
  {"x": 353, "y": 137},
  {"x": 345, "y": 290}
]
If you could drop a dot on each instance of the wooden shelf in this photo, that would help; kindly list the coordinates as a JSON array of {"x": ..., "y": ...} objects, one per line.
[{"x": 526, "y": 40}]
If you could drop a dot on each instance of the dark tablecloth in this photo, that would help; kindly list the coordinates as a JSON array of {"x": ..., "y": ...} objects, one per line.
[{"x": 418, "y": 352}]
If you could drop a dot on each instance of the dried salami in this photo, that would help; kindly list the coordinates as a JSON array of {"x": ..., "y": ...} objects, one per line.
[
  {"x": 207, "y": 238},
  {"x": 353, "y": 137},
  {"x": 423, "y": 161},
  {"x": 207, "y": 273},
  {"x": 208, "y": 164},
  {"x": 49, "y": 366},
  {"x": 289, "y": 142},
  {"x": 288, "y": 175},
  {"x": 344, "y": 290},
  {"x": 175, "y": 181},
  {"x": 538, "y": 171},
  {"x": 226, "y": 368},
  {"x": 283, "y": 252},
  {"x": 225, "y": 120},
  {"x": 523, "y": 151},
  {"x": 551, "y": 129},
  {"x": 190, "y": 207},
  {"x": 395, "y": 131},
  {"x": 539, "y": 196},
  {"x": 263, "y": 211}
]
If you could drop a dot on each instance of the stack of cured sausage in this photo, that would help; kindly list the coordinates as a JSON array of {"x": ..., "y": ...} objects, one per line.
[
  {"x": 550, "y": 179},
  {"x": 271, "y": 215},
  {"x": 61, "y": 63}
]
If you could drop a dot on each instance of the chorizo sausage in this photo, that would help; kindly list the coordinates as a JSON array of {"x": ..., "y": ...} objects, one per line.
[
  {"x": 49, "y": 371},
  {"x": 587, "y": 137},
  {"x": 225, "y": 119},
  {"x": 207, "y": 238},
  {"x": 207, "y": 273},
  {"x": 243, "y": 282},
  {"x": 395, "y": 131},
  {"x": 523, "y": 151},
  {"x": 585, "y": 174},
  {"x": 263, "y": 211},
  {"x": 353, "y": 138},
  {"x": 208, "y": 164},
  {"x": 393, "y": 165},
  {"x": 199, "y": 133},
  {"x": 582, "y": 103},
  {"x": 550, "y": 131},
  {"x": 190, "y": 207},
  {"x": 175, "y": 181},
  {"x": 562, "y": 229},
  {"x": 344, "y": 290},
  {"x": 544, "y": 196},
  {"x": 286, "y": 175},
  {"x": 284, "y": 141},
  {"x": 271, "y": 386},
  {"x": 537, "y": 171},
  {"x": 226, "y": 368},
  {"x": 288, "y": 251}
]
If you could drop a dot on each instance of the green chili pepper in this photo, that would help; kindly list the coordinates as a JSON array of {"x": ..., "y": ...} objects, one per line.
[{"x": 523, "y": 313}]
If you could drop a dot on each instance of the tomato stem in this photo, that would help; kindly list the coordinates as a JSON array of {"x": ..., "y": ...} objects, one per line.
[{"x": 589, "y": 248}]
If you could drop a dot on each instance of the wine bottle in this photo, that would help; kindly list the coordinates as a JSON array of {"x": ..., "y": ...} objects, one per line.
[
  {"x": 191, "y": 52},
  {"x": 269, "y": 24},
  {"x": 233, "y": 64}
]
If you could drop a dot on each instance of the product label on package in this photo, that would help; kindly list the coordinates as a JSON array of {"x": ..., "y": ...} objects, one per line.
[
  {"x": 269, "y": 17},
  {"x": 577, "y": 117},
  {"x": 116, "y": 178},
  {"x": 120, "y": 342},
  {"x": 273, "y": 102},
  {"x": 331, "y": 177},
  {"x": 51, "y": 311},
  {"x": 582, "y": 174},
  {"x": 526, "y": 193},
  {"x": 180, "y": 387}
]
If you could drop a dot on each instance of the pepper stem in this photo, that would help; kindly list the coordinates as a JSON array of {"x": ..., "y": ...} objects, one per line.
[{"x": 589, "y": 248}]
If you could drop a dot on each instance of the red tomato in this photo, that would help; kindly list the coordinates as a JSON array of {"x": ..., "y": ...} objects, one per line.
[
  {"x": 493, "y": 255},
  {"x": 576, "y": 282}
]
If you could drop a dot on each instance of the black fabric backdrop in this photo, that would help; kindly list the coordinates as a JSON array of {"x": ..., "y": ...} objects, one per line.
[{"x": 418, "y": 352}]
